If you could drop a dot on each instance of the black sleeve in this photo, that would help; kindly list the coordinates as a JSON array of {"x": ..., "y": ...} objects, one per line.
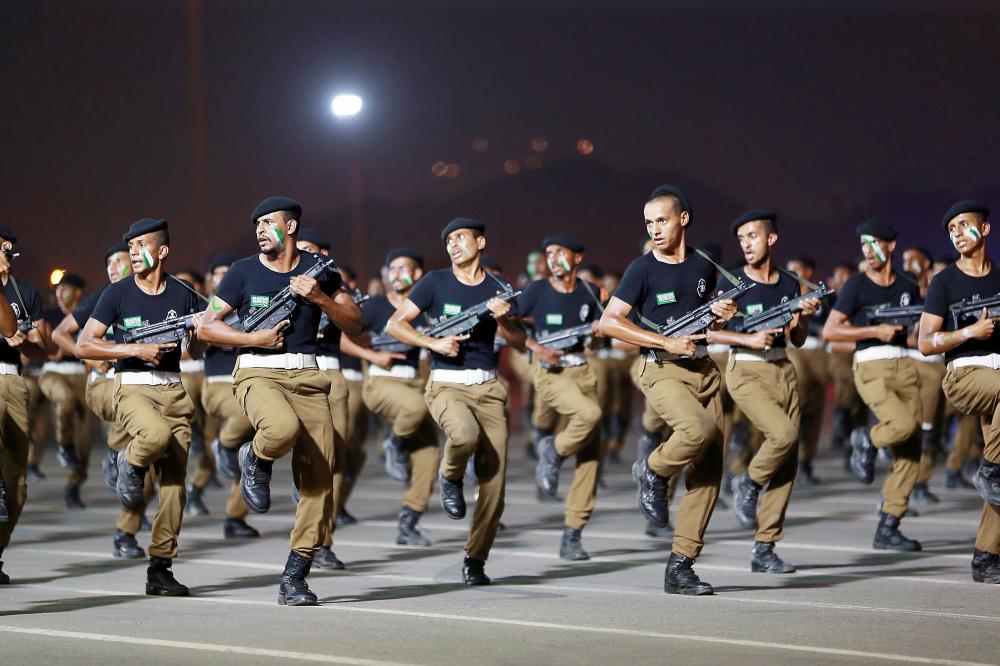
[
  {"x": 368, "y": 315},
  {"x": 106, "y": 309},
  {"x": 847, "y": 299},
  {"x": 422, "y": 294},
  {"x": 230, "y": 291},
  {"x": 631, "y": 287},
  {"x": 32, "y": 301},
  {"x": 937, "y": 297}
]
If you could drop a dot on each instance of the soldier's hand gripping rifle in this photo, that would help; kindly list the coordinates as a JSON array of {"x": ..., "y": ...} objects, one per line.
[
  {"x": 283, "y": 304},
  {"x": 699, "y": 319},
  {"x": 780, "y": 314},
  {"x": 467, "y": 320},
  {"x": 970, "y": 309}
]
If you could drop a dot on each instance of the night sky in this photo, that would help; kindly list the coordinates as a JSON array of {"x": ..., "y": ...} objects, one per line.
[{"x": 195, "y": 111}]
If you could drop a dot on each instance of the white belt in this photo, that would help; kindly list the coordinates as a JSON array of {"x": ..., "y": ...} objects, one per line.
[
  {"x": 328, "y": 362},
  {"x": 190, "y": 365},
  {"x": 776, "y": 354},
  {"x": 718, "y": 349},
  {"x": 656, "y": 356},
  {"x": 352, "y": 375},
  {"x": 613, "y": 353},
  {"x": 32, "y": 370},
  {"x": 468, "y": 377},
  {"x": 398, "y": 371},
  {"x": 64, "y": 367},
  {"x": 812, "y": 342},
  {"x": 95, "y": 375},
  {"x": 880, "y": 353},
  {"x": 277, "y": 361},
  {"x": 984, "y": 361},
  {"x": 150, "y": 378},
  {"x": 219, "y": 379},
  {"x": 572, "y": 360},
  {"x": 933, "y": 358},
  {"x": 9, "y": 369}
]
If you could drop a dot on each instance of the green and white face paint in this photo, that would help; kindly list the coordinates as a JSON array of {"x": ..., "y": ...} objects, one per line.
[
  {"x": 564, "y": 264},
  {"x": 406, "y": 278},
  {"x": 277, "y": 235},
  {"x": 873, "y": 245},
  {"x": 147, "y": 258},
  {"x": 971, "y": 233}
]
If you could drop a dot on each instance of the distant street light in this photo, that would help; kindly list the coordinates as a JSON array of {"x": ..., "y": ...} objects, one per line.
[{"x": 346, "y": 105}]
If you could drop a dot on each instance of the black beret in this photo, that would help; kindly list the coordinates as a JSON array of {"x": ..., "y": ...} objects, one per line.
[
  {"x": 462, "y": 223},
  {"x": 671, "y": 191},
  {"x": 273, "y": 205},
  {"x": 73, "y": 280},
  {"x": 965, "y": 206},
  {"x": 564, "y": 240},
  {"x": 310, "y": 235},
  {"x": 487, "y": 261},
  {"x": 407, "y": 252},
  {"x": 115, "y": 249},
  {"x": 922, "y": 250},
  {"x": 222, "y": 259},
  {"x": 878, "y": 229},
  {"x": 751, "y": 215},
  {"x": 144, "y": 226},
  {"x": 7, "y": 234}
]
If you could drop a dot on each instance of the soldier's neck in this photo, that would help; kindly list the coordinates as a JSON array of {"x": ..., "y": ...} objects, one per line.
[
  {"x": 565, "y": 284},
  {"x": 976, "y": 264},
  {"x": 283, "y": 262},
  {"x": 763, "y": 272},
  {"x": 883, "y": 276},
  {"x": 151, "y": 282}
]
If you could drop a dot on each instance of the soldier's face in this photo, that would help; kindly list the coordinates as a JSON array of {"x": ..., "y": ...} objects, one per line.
[
  {"x": 968, "y": 232},
  {"x": 306, "y": 246},
  {"x": 561, "y": 260},
  {"x": 119, "y": 266},
  {"x": 664, "y": 223},
  {"x": 801, "y": 269},
  {"x": 877, "y": 252},
  {"x": 916, "y": 262},
  {"x": 272, "y": 232},
  {"x": 402, "y": 274},
  {"x": 756, "y": 239},
  {"x": 464, "y": 245}
]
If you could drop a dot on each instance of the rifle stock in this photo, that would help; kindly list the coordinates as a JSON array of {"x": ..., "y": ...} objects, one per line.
[
  {"x": 701, "y": 317},
  {"x": 780, "y": 314}
]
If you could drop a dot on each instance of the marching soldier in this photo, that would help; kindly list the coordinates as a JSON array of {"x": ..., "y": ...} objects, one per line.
[
  {"x": 972, "y": 352},
  {"x": 278, "y": 382},
  {"x": 150, "y": 402},
  {"x": 464, "y": 395},
  {"x": 886, "y": 377},
  {"x": 680, "y": 382}
]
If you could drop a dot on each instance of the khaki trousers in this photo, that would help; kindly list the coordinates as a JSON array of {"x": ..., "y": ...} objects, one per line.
[
  {"x": 572, "y": 393},
  {"x": 355, "y": 438},
  {"x": 290, "y": 413},
  {"x": 68, "y": 394},
  {"x": 40, "y": 418},
  {"x": 234, "y": 429},
  {"x": 158, "y": 419},
  {"x": 474, "y": 421},
  {"x": 767, "y": 393},
  {"x": 932, "y": 402},
  {"x": 337, "y": 400},
  {"x": 812, "y": 373},
  {"x": 400, "y": 403},
  {"x": 891, "y": 390},
  {"x": 14, "y": 442},
  {"x": 685, "y": 395}
]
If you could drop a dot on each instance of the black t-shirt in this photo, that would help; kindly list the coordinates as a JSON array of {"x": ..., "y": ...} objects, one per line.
[
  {"x": 249, "y": 285},
  {"x": 219, "y": 361},
  {"x": 125, "y": 306},
  {"x": 85, "y": 308},
  {"x": 661, "y": 292},
  {"x": 440, "y": 294},
  {"x": 951, "y": 286},
  {"x": 53, "y": 317},
  {"x": 33, "y": 304},
  {"x": 763, "y": 297},
  {"x": 376, "y": 313},
  {"x": 554, "y": 311},
  {"x": 860, "y": 293}
]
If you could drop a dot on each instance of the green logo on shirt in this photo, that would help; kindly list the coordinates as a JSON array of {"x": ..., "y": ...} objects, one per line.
[
  {"x": 260, "y": 301},
  {"x": 666, "y": 298},
  {"x": 553, "y": 320},
  {"x": 132, "y": 322},
  {"x": 451, "y": 309},
  {"x": 756, "y": 308}
]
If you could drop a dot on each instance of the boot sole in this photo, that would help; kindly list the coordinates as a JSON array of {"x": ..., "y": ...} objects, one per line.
[
  {"x": 673, "y": 589},
  {"x": 282, "y": 601},
  {"x": 160, "y": 592},
  {"x": 896, "y": 548},
  {"x": 764, "y": 570},
  {"x": 638, "y": 499}
]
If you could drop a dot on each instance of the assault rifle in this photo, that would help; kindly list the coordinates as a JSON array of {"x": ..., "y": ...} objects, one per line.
[
  {"x": 25, "y": 325},
  {"x": 387, "y": 343},
  {"x": 567, "y": 337},
  {"x": 970, "y": 308},
  {"x": 904, "y": 315},
  {"x": 356, "y": 296},
  {"x": 467, "y": 320},
  {"x": 285, "y": 301},
  {"x": 780, "y": 314},
  {"x": 169, "y": 330},
  {"x": 701, "y": 317}
]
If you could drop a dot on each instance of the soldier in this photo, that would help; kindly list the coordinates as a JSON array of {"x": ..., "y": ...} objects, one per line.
[
  {"x": 886, "y": 378},
  {"x": 679, "y": 380},
  {"x": 565, "y": 383},
  {"x": 278, "y": 382},
  {"x": 762, "y": 382},
  {"x": 150, "y": 402},
  {"x": 972, "y": 351},
  {"x": 24, "y": 332},
  {"x": 464, "y": 396}
]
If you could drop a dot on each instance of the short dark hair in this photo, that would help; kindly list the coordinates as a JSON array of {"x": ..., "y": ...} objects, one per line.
[{"x": 805, "y": 260}]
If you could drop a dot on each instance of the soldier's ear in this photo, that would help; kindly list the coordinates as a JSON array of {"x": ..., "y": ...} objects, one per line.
[
  {"x": 986, "y": 229},
  {"x": 292, "y": 226},
  {"x": 163, "y": 252},
  {"x": 481, "y": 242}
]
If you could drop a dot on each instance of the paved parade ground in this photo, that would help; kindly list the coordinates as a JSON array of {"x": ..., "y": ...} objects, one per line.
[{"x": 73, "y": 603}]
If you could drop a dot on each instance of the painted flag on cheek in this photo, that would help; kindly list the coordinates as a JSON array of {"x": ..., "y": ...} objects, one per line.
[
  {"x": 278, "y": 236},
  {"x": 147, "y": 258},
  {"x": 873, "y": 246}
]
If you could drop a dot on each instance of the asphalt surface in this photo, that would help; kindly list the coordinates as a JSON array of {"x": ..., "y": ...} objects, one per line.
[{"x": 71, "y": 602}]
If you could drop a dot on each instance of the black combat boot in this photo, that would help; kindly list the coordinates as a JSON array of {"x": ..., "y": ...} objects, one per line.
[
  {"x": 66, "y": 454},
  {"x": 547, "y": 468},
  {"x": 745, "y": 494},
  {"x": 35, "y": 473},
  {"x": 293, "y": 590},
  {"x": 255, "y": 480},
  {"x": 474, "y": 572},
  {"x": 126, "y": 547},
  {"x": 806, "y": 474},
  {"x": 954, "y": 480},
  {"x": 408, "y": 534},
  {"x": 345, "y": 518},
  {"x": 654, "y": 530},
  {"x": 227, "y": 461},
  {"x": 570, "y": 548},
  {"x": 326, "y": 559},
  {"x": 237, "y": 528},
  {"x": 397, "y": 458},
  {"x": 763, "y": 559},
  {"x": 651, "y": 494},
  {"x": 680, "y": 578},
  {"x": 4, "y": 513},
  {"x": 921, "y": 493},
  {"x": 160, "y": 579},
  {"x": 863, "y": 454},
  {"x": 72, "y": 499},
  {"x": 195, "y": 504},
  {"x": 130, "y": 484},
  {"x": 987, "y": 481},
  {"x": 648, "y": 442},
  {"x": 888, "y": 536},
  {"x": 452, "y": 497},
  {"x": 985, "y": 567},
  {"x": 110, "y": 468}
]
